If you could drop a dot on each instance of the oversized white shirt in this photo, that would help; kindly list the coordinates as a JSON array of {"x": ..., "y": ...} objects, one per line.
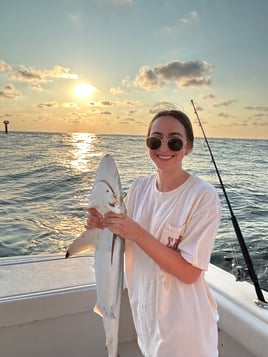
[{"x": 172, "y": 318}]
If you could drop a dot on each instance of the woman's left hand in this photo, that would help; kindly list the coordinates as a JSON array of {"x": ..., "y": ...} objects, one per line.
[{"x": 122, "y": 225}]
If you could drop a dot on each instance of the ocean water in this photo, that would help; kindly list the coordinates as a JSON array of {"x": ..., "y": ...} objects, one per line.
[{"x": 46, "y": 178}]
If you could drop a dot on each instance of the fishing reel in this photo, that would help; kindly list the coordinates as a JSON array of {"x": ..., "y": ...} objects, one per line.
[{"x": 240, "y": 272}]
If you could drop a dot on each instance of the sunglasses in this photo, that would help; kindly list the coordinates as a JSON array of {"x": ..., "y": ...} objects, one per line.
[{"x": 153, "y": 143}]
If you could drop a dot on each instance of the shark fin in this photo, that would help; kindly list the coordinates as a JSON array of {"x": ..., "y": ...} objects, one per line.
[
  {"x": 98, "y": 311},
  {"x": 86, "y": 241}
]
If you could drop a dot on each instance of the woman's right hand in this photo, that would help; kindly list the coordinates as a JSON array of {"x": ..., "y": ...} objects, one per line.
[{"x": 95, "y": 219}]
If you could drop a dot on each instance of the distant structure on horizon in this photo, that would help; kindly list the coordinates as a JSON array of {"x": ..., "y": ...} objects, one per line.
[{"x": 6, "y": 122}]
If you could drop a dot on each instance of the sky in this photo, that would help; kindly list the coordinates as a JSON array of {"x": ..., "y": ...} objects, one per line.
[{"x": 132, "y": 58}]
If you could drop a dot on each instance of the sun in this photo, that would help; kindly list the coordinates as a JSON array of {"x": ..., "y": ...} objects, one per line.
[{"x": 84, "y": 90}]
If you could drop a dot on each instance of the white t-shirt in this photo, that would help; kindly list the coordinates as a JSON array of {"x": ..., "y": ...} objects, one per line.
[{"x": 172, "y": 318}]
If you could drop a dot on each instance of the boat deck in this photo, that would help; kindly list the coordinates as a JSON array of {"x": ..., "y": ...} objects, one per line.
[
  {"x": 34, "y": 274},
  {"x": 46, "y": 306},
  {"x": 128, "y": 349},
  {"x": 46, "y": 309}
]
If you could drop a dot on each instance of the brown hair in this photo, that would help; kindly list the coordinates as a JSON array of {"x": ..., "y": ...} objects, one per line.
[{"x": 181, "y": 117}]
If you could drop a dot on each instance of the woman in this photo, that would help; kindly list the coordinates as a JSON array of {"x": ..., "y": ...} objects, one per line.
[{"x": 172, "y": 221}]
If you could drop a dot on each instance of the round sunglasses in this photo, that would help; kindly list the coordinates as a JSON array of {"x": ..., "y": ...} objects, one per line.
[{"x": 153, "y": 143}]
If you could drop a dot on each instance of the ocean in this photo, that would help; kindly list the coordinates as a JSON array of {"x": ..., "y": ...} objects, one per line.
[{"x": 46, "y": 178}]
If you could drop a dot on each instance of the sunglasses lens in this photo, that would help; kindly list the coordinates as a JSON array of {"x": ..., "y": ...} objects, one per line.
[
  {"x": 175, "y": 144},
  {"x": 153, "y": 143}
]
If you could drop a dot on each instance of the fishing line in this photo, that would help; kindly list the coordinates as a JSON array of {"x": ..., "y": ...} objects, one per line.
[{"x": 261, "y": 301}]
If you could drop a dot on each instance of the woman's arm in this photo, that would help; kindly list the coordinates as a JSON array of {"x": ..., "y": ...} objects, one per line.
[{"x": 168, "y": 259}]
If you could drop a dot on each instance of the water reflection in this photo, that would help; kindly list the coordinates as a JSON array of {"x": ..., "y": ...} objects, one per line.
[{"x": 83, "y": 151}]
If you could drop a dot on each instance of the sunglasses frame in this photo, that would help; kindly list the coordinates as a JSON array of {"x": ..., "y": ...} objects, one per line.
[{"x": 172, "y": 143}]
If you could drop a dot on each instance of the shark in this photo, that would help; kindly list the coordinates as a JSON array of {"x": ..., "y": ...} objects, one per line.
[{"x": 106, "y": 196}]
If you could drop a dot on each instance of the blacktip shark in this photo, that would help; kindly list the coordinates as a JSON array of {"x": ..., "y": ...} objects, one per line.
[{"x": 106, "y": 196}]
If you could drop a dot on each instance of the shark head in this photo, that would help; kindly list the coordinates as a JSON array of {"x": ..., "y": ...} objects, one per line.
[
  {"x": 106, "y": 194},
  {"x": 104, "y": 198}
]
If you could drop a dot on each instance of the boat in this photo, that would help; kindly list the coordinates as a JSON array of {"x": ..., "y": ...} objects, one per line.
[{"x": 46, "y": 309}]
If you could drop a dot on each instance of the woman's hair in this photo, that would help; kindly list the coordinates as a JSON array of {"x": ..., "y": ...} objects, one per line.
[{"x": 181, "y": 117}]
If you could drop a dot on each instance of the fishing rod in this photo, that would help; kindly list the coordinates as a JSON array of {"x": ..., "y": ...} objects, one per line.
[{"x": 261, "y": 301}]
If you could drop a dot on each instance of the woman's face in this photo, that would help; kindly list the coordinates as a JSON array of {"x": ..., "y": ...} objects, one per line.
[{"x": 167, "y": 127}]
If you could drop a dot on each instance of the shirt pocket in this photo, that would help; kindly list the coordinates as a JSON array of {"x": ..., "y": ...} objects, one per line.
[{"x": 172, "y": 236}]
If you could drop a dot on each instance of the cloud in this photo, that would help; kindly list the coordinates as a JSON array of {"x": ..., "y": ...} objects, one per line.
[
  {"x": 199, "y": 109},
  {"x": 263, "y": 108},
  {"x": 60, "y": 72},
  {"x": 106, "y": 102},
  {"x": 9, "y": 93},
  {"x": 192, "y": 16},
  {"x": 130, "y": 102},
  {"x": 197, "y": 82},
  {"x": 32, "y": 74},
  {"x": 209, "y": 96},
  {"x": 91, "y": 104},
  {"x": 263, "y": 123},
  {"x": 4, "y": 67},
  {"x": 160, "y": 106},
  {"x": 27, "y": 74},
  {"x": 47, "y": 105},
  {"x": 224, "y": 103},
  {"x": 260, "y": 115},
  {"x": 70, "y": 105},
  {"x": 184, "y": 74},
  {"x": 242, "y": 123},
  {"x": 101, "y": 103},
  {"x": 35, "y": 86},
  {"x": 223, "y": 115},
  {"x": 116, "y": 90},
  {"x": 6, "y": 115}
]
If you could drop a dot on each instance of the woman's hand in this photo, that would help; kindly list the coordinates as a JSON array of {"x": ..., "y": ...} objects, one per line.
[
  {"x": 95, "y": 219},
  {"x": 123, "y": 226},
  {"x": 168, "y": 259}
]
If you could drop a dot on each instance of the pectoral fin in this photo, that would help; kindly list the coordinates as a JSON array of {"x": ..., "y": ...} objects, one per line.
[
  {"x": 103, "y": 313},
  {"x": 86, "y": 241},
  {"x": 98, "y": 311}
]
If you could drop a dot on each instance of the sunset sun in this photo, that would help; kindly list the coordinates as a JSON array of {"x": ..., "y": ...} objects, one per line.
[{"x": 84, "y": 90}]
